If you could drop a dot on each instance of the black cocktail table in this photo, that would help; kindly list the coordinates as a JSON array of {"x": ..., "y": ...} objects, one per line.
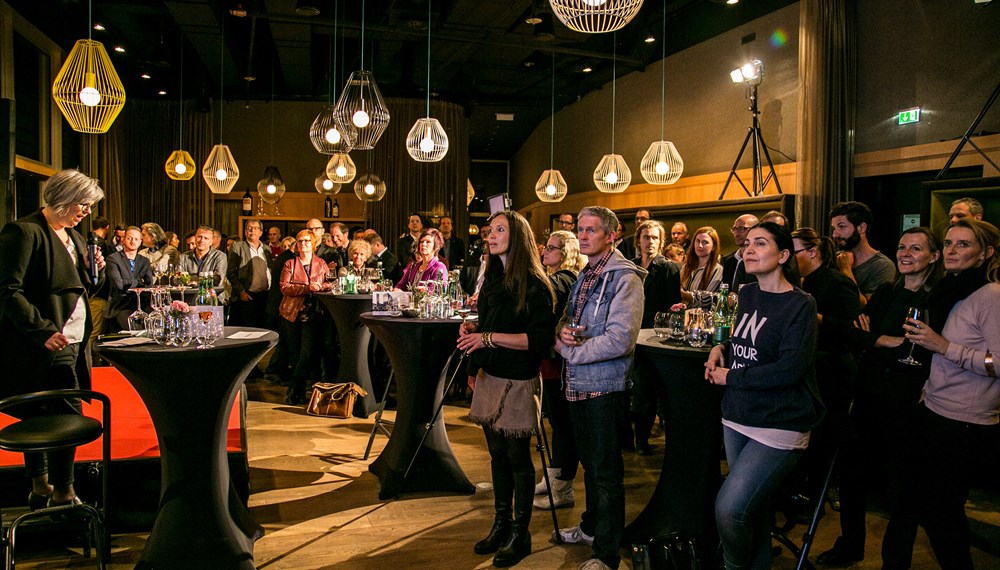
[{"x": 354, "y": 338}]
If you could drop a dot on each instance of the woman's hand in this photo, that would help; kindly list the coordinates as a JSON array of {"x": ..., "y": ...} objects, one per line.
[
  {"x": 313, "y": 286},
  {"x": 56, "y": 342},
  {"x": 886, "y": 341},
  {"x": 921, "y": 335},
  {"x": 468, "y": 340},
  {"x": 864, "y": 323},
  {"x": 678, "y": 307},
  {"x": 716, "y": 359}
]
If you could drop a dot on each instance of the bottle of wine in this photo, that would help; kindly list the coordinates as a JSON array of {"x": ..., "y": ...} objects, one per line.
[
  {"x": 328, "y": 208},
  {"x": 247, "y": 203},
  {"x": 336, "y": 210}
]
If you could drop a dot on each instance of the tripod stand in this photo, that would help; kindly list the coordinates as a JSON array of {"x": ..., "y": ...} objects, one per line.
[{"x": 757, "y": 148}]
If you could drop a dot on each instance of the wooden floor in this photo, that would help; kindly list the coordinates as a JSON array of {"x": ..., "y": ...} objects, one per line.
[{"x": 319, "y": 505}]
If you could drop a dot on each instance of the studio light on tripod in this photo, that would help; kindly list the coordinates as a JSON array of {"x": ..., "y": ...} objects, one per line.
[{"x": 751, "y": 73}]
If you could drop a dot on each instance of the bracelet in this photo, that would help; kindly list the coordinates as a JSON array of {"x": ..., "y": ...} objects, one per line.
[
  {"x": 487, "y": 338},
  {"x": 988, "y": 364}
]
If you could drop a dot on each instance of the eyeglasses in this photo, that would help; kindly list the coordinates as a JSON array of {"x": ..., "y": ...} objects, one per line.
[
  {"x": 312, "y": 229},
  {"x": 303, "y": 241},
  {"x": 87, "y": 207},
  {"x": 552, "y": 248},
  {"x": 798, "y": 251},
  {"x": 735, "y": 229}
]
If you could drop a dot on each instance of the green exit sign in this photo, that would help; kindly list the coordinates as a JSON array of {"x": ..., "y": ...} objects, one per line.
[{"x": 909, "y": 116}]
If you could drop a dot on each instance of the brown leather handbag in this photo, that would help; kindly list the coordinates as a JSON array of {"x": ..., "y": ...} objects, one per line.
[{"x": 334, "y": 400}]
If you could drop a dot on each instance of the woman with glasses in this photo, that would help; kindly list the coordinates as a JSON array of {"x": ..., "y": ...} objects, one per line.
[
  {"x": 563, "y": 261},
  {"x": 957, "y": 431},
  {"x": 506, "y": 345},
  {"x": 45, "y": 319},
  {"x": 888, "y": 390},
  {"x": 770, "y": 404},
  {"x": 302, "y": 276}
]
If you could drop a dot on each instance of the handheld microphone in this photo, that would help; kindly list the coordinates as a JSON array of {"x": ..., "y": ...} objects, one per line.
[{"x": 92, "y": 257}]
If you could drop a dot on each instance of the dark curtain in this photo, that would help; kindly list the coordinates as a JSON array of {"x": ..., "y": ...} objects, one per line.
[
  {"x": 827, "y": 72},
  {"x": 130, "y": 161},
  {"x": 432, "y": 188}
]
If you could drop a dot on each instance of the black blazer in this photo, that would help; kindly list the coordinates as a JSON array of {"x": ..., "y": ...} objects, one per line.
[
  {"x": 662, "y": 287},
  {"x": 39, "y": 288},
  {"x": 391, "y": 269},
  {"x": 120, "y": 280},
  {"x": 456, "y": 252}
]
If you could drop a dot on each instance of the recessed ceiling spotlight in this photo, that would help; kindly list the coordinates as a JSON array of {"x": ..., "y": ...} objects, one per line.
[
  {"x": 145, "y": 76},
  {"x": 99, "y": 27},
  {"x": 587, "y": 69},
  {"x": 307, "y": 8},
  {"x": 119, "y": 49},
  {"x": 533, "y": 19},
  {"x": 650, "y": 39},
  {"x": 161, "y": 92}
]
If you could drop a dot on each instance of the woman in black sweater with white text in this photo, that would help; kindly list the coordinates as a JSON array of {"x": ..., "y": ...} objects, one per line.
[
  {"x": 770, "y": 404},
  {"x": 513, "y": 333}
]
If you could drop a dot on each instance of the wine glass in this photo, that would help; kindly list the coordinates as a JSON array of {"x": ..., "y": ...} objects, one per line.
[
  {"x": 137, "y": 320},
  {"x": 676, "y": 325},
  {"x": 915, "y": 313},
  {"x": 203, "y": 329},
  {"x": 697, "y": 331},
  {"x": 661, "y": 325},
  {"x": 578, "y": 329}
]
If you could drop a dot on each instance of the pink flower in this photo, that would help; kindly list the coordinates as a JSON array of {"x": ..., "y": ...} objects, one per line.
[{"x": 180, "y": 307}]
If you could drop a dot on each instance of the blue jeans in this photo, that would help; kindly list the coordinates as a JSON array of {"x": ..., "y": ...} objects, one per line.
[
  {"x": 743, "y": 506},
  {"x": 596, "y": 424}
]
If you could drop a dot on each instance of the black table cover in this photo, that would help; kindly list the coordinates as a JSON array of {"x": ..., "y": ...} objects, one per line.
[
  {"x": 201, "y": 522},
  {"x": 354, "y": 338}
]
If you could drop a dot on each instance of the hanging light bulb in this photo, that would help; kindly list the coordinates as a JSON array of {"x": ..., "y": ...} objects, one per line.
[
  {"x": 662, "y": 164},
  {"x": 369, "y": 187},
  {"x": 551, "y": 186},
  {"x": 324, "y": 185},
  {"x": 272, "y": 187},
  {"x": 90, "y": 106},
  {"x": 612, "y": 173},
  {"x": 341, "y": 168},
  {"x": 427, "y": 141},
  {"x": 327, "y": 134}
]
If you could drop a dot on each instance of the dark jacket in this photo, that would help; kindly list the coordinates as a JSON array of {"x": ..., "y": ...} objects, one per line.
[
  {"x": 120, "y": 279},
  {"x": 734, "y": 272},
  {"x": 239, "y": 267},
  {"x": 274, "y": 293},
  {"x": 404, "y": 248},
  {"x": 39, "y": 288},
  {"x": 662, "y": 287},
  {"x": 391, "y": 269},
  {"x": 562, "y": 283},
  {"x": 498, "y": 313}
]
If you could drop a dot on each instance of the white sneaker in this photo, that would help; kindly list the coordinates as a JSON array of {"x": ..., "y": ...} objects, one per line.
[
  {"x": 593, "y": 564},
  {"x": 576, "y": 536}
]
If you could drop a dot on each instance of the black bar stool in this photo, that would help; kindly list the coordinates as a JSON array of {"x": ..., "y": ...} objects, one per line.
[{"x": 60, "y": 431}]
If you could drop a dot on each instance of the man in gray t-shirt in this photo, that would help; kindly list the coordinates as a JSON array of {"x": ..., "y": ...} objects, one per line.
[{"x": 850, "y": 223}]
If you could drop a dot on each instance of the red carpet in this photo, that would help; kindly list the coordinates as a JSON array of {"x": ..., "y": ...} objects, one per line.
[{"x": 132, "y": 435}]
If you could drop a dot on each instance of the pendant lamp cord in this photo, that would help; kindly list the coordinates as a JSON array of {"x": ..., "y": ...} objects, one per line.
[
  {"x": 272, "y": 110},
  {"x": 222, "y": 75},
  {"x": 90, "y": 20},
  {"x": 663, "y": 72},
  {"x": 428, "y": 59},
  {"x": 552, "y": 115},
  {"x": 362, "y": 34},
  {"x": 181, "y": 98},
  {"x": 614, "y": 86}
]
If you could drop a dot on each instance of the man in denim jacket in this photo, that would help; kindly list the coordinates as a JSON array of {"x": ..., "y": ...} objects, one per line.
[{"x": 604, "y": 311}]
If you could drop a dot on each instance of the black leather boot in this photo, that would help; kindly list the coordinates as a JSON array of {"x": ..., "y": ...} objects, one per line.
[
  {"x": 503, "y": 495},
  {"x": 519, "y": 545}
]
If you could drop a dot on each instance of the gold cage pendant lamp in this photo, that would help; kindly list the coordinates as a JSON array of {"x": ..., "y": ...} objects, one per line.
[
  {"x": 595, "y": 16},
  {"x": 369, "y": 187},
  {"x": 662, "y": 164},
  {"x": 220, "y": 171},
  {"x": 427, "y": 141},
  {"x": 340, "y": 168},
  {"x": 327, "y": 134},
  {"x": 324, "y": 185},
  {"x": 612, "y": 174},
  {"x": 361, "y": 103},
  {"x": 87, "y": 89},
  {"x": 551, "y": 186},
  {"x": 180, "y": 165},
  {"x": 271, "y": 188}
]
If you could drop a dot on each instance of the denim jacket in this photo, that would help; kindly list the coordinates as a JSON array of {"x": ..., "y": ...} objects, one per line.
[{"x": 613, "y": 315}]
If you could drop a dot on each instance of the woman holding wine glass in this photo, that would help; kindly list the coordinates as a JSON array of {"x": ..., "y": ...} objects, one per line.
[
  {"x": 506, "y": 345},
  {"x": 770, "y": 404},
  {"x": 45, "y": 277},
  {"x": 701, "y": 273},
  {"x": 959, "y": 417},
  {"x": 888, "y": 389},
  {"x": 302, "y": 276}
]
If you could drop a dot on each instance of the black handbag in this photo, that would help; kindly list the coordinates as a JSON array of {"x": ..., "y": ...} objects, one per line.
[{"x": 673, "y": 551}]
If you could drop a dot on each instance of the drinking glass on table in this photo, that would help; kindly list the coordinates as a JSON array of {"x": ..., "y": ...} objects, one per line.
[
  {"x": 661, "y": 325},
  {"x": 203, "y": 328},
  {"x": 137, "y": 319},
  {"x": 675, "y": 325},
  {"x": 915, "y": 313}
]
